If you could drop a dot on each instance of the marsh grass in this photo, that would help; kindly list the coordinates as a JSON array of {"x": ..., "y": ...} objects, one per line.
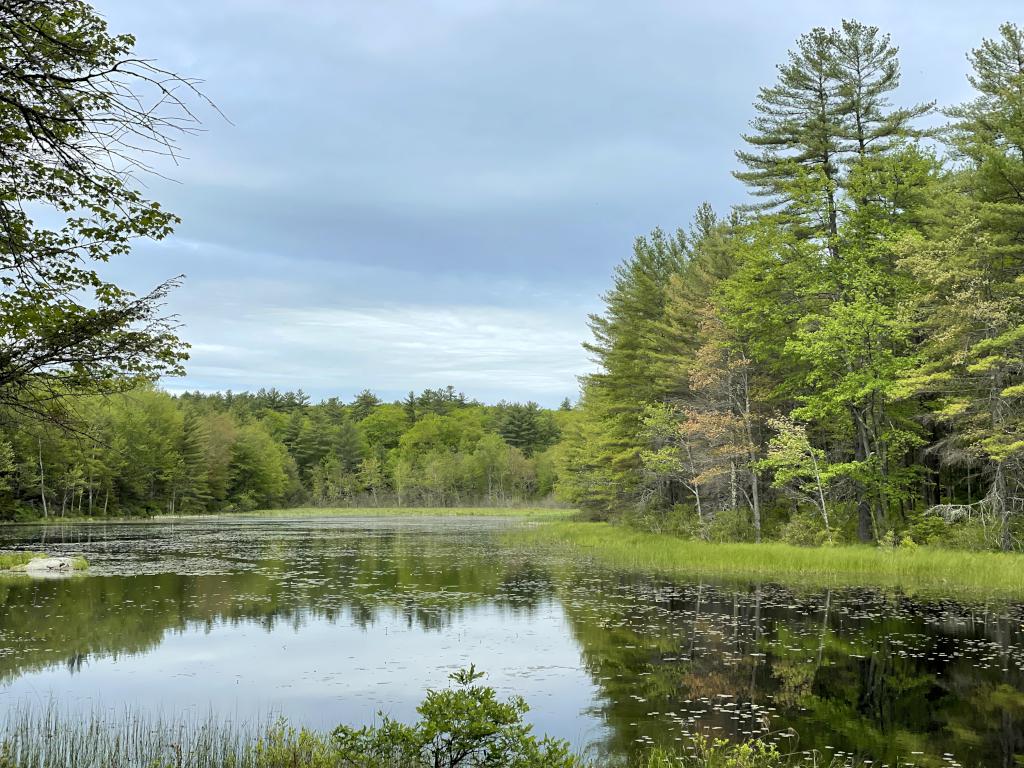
[
  {"x": 538, "y": 513},
  {"x": 48, "y": 737},
  {"x": 533, "y": 513},
  {"x": 923, "y": 569},
  {"x": 33, "y": 737},
  {"x": 9, "y": 560}
]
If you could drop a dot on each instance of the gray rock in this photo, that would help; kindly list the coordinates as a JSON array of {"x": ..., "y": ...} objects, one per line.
[{"x": 51, "y": 565}]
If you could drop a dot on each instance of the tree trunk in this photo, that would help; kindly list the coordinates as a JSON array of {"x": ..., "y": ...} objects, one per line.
[
  {"x": 865, "y": 521},
  {"x": 42, "y": 479},
  {"x": 755, "y": 505},
  {"x": 999, "y": 506}
]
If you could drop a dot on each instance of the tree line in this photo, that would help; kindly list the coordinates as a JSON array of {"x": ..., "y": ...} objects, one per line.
[
  {"x": 149, "y": 452},
  {"x": 842, "y": 358}
]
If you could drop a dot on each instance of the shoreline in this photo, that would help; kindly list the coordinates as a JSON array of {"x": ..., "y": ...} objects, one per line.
[{"x": 921, "y": 570}]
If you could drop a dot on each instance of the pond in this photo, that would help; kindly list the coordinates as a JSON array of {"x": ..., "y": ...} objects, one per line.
[{"x": 328, "y": 620}]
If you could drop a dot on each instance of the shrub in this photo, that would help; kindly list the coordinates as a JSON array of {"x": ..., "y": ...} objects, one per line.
[
  {"x": 463, "y": 727},
  {"x": 805, "y": 529},
  {"x": 731, "y": 525}
]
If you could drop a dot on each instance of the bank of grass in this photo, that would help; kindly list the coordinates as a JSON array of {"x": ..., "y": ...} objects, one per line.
[
  {"x": 535, "y": 513},
  {"x": 14, "y": 561},
  {"x": 924, "y": 569}
]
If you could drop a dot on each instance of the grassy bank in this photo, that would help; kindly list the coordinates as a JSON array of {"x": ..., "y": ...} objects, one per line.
[
  {"x": 921, "y": 569},
  {"x": 13, "y": 561},
  {"x": 538, "y": 513}
]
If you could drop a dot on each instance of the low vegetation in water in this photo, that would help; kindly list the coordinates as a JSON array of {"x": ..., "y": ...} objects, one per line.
[
  {"x": 464, "y": 726},
  {"x": 9, "y": 560},
  {"x": 913, "y": 569}
]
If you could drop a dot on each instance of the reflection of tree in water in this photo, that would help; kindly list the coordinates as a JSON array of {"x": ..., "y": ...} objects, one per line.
[
  {"x": 858, "y": 671},
  {"x": 286, "y": 580},
  {"x": 854, "y": 671}
]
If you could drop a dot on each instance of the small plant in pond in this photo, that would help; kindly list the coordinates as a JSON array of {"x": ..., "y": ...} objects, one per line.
[{"x": 462, "y": 727}]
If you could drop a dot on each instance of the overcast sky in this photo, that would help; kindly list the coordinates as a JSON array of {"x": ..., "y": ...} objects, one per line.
[{"x": 414, "y": 193}]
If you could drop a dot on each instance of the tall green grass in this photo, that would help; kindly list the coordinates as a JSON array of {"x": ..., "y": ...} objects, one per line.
[
  {"x": 32, "y": 737},
  {"x": 920, "y": 569},
  {"x": 10, "y": 560},
  {"x": 46, "y": 737}
]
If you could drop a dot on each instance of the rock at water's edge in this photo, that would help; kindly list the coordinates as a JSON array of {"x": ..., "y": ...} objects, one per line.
[{"x": 51, "y": 565}]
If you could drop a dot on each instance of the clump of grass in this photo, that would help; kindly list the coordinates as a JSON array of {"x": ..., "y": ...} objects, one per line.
[
  {"x": 9, "y": 560},
  {"x": 917, "y": 570},
  {"x": 33, "y": 737}
]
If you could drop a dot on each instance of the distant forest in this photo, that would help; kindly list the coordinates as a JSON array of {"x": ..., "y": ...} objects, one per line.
[{"x": 148, "y": 452}]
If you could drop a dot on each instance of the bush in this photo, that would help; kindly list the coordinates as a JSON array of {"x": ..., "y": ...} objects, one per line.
[
  {"x": 972, "y": 534},
  {"x": 464, "y": 727},
  {"x": 731, "y": 525},
  {"x": 930, "y": 530},
  {"x": 806, "y": 529}
]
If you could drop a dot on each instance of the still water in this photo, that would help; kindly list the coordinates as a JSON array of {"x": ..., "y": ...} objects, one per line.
[{"x": 327, "y": 620}]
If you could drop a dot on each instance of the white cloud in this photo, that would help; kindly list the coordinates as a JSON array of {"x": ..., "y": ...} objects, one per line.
[{"x": 489, "y": 352}]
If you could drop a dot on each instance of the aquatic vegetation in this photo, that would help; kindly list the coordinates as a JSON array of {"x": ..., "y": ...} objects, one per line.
[
  {"x": 467, "y": 727},
  {"x": 10, "y": 560},
  {"x": 919, "y": 569}
]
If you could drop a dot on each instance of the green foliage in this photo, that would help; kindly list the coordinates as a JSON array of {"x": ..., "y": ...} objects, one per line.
[
  {"x": 719, "y": 753},
  {"x": 466, "y": 726},
  {"x": 79, "y": 112},
  {"x": 852, "y": 341},
  {"x": 147, "y": 452}
]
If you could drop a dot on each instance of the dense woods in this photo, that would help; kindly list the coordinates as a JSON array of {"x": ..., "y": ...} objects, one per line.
[
  {"x": 148, "y": 452},
  {"x": 842, "y": 358}
]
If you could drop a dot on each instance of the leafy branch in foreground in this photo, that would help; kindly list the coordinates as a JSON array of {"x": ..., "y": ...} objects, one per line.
[{"x": 80, "y": 116}]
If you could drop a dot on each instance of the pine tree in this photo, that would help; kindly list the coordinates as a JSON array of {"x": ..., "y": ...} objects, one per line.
[
  {"x": 971, "y": 270},
  {"x": 193, "y": 486},
  {"x": 364, "y": 404},
  {"x": 628, "y": 346},
  {"x": 410, "y": 406},
  {"x": 520, "y": 427},
  {"x": 841, "y": 172}
]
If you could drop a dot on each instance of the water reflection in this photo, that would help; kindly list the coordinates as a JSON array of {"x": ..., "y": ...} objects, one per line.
[{"x": 330, "y": 620}]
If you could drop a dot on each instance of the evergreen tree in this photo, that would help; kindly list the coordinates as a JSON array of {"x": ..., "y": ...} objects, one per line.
[
  {"x": 364, "y": 404},
  {"x": 192, "y": 488},
  {"x": 971, "y": 272}
]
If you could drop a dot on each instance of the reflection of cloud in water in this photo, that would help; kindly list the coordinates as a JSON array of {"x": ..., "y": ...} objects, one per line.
[{"x": 329, "y": 620}]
